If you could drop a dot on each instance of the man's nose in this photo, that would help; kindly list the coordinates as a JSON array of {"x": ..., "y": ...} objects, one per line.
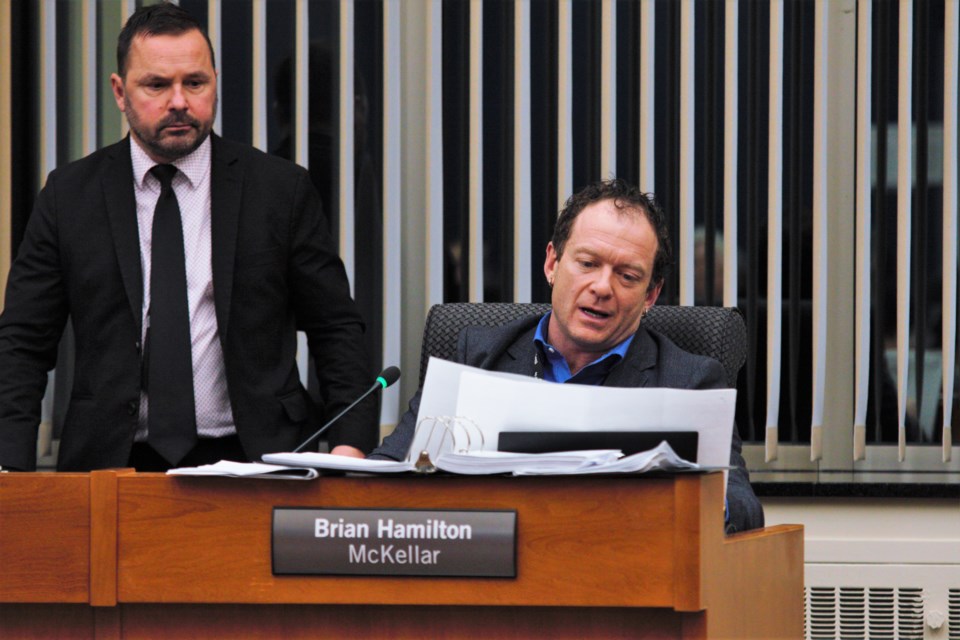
[
  {"x": 178, "y": 99},
  {"x": 602, "y": 283}
]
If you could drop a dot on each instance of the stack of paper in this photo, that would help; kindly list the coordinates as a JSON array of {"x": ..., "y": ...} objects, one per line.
[
  {"x": 661, "y": 458},
  {"x": 247, "y": 470},
  {"x": 331, "y": 462},
  {"x": 465, "y": 408},
  {"x": 490, "y": 462}
]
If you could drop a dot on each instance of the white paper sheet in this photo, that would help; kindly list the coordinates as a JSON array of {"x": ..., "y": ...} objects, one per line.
[
  {"x": 518, "y": 403},
  {"x": 227, "y": 468},
  {"x": 316, "y": 460},
  {"x": 438, "y": 421},
  {"x": 552, "y": 463}
]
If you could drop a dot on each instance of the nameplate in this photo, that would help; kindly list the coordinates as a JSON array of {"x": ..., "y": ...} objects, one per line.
[{"x": 394, "y": 542}]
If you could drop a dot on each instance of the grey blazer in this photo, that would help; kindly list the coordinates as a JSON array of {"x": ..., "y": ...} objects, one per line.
[{"x": 651, "y": 361}]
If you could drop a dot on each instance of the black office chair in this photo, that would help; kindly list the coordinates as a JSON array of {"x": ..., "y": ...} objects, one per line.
[{"x": 717, "y": 332}]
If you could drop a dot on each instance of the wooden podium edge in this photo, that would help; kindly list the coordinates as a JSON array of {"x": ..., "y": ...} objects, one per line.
[
  {"x": 771, "y": 597},
  {"x": 688, "y": 545},
  {"x": 103, "y": 535}
]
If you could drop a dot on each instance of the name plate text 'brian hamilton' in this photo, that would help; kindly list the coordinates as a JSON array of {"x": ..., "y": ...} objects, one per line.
[{"x": 394, "y": 542}]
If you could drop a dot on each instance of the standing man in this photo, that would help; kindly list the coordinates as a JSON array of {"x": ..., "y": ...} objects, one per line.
[
  {"x": 187, "y": 264},
  {"x": 605, "y": 266}
]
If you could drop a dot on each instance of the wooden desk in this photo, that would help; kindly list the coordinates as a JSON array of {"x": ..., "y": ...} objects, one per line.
[{"x": 118, "y": 554}]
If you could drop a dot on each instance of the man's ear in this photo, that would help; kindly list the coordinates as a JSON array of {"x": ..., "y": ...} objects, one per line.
[
  {"x": 119, "y": 91},
  {"x": 652, "y": 295},
  {"x": 550, "y": 263}
]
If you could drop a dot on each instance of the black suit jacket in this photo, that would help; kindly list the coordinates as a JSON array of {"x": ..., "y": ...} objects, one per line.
[
  {"x": 273, "y": 274},
  {"x": 651, "y": 361}
]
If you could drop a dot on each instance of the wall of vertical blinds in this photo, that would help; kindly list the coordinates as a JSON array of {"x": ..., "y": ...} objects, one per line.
[{"x": 806, "y": 153}]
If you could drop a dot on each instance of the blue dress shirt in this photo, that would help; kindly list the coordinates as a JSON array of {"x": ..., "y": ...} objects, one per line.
[{"x": 556, "y": 369}]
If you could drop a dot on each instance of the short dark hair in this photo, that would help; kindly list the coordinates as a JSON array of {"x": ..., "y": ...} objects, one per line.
[
  {"x": 162, "y": 19},
  {"x": 625, "y": 196}
]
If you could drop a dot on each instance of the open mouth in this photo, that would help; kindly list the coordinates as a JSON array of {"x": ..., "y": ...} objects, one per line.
[{"x": 595, "y": 313}]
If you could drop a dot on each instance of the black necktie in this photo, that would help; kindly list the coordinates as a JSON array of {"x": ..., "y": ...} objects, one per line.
[{"x": 171, "y": 419}]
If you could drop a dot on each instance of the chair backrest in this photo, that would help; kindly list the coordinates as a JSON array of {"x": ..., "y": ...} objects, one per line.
[{"x": 717, "y": 332}]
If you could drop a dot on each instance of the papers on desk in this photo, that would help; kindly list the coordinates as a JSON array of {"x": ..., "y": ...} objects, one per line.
[
  {"x": 330, "y": 462},
  {"x": 661, "y": 458},
  {"x": 225, "y": 468},
  {"x": 491, "y": 462},
  {"x": 463, "y": 408},
  {"x": 575, "y": 463}
]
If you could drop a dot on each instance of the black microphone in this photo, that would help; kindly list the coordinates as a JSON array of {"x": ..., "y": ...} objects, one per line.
[{"x": 386, "y": 378}]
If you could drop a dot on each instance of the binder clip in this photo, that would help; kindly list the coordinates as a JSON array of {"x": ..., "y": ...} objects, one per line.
[{"x": 424, "y": 464}]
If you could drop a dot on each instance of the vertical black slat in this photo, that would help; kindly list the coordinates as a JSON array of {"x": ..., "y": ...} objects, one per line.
[
  {"x": 69, "y": 141},
  {"x": 67, "y": 102},
  {"x": 323, "y": 128},
  {"x": 667, "y": 125},
  {"x": 586, "y": 58},
  {"x": 715, "y": 200},
  {"x": 498, "y": 165},
  {"x": 629, "y": 88},
  {"x": 882, "y": 409},
  {"x": 756, "y": 287},
  {"x": 199, "y": 9},
  {"x": 281, "y": 61},
  {"x": 456, "y": 150},
  {"x": 368, "y": 162},
  {"x": 879, "y": 115},
  {"x": 880, "y": 112},
  {"x": 708, "y": 153},
  {"x": 878, "y": 156},
  {"x": 544, "y": 22},
  {"x": 752, "y": 185},
  {"x": 796, "y": 385},
  {"x": 955, "y": 392},
  {"x": 746, "y": 62},
  {"x": 935, "y": 77},
  {"x": 236, "y": 71},
  {"x": 790, "y": 201},
  {"x": 804, "y": 386},
  {"x": 921, "y": 249},
  {"x": 25, "y": 117},
  {"x": 927, "y": 264},
  {"x": 105, "y": 65}
]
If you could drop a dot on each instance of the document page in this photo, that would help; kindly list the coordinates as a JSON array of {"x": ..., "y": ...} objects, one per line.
[
  {"x": 440, "y": 425},
  {"x": 226, "y": 468},
  {"x": 494, "y": 404},
  {"x": 330, "y": 462}
]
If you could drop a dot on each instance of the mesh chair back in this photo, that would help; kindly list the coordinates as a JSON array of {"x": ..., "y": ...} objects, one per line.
[{"x": 717, "y": 332}]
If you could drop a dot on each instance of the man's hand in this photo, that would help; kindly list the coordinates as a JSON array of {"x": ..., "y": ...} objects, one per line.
[{"x": 347, "y": 450}]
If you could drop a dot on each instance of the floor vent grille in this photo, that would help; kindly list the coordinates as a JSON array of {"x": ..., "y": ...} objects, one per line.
[
  {"x": 953, "y": 614},
  {"x": 868, "y": 613}
]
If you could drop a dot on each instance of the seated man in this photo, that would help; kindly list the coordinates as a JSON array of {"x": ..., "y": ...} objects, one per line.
[{"x": 605, "y": 265}]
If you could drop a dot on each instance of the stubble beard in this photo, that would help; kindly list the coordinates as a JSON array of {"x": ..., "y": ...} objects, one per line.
[{"x": 171, "y": 147}]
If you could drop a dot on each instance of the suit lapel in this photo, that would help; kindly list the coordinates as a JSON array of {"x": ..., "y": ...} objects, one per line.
[
  {"x": 518, "y": 356},
  {"x": 634, "y": 370},
  {"x": 225, "y": 198},
  {"x": 121, "y": 205}
]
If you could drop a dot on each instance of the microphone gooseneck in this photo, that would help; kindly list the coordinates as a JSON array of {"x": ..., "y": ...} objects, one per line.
[{"x": 386, "y": 378}]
